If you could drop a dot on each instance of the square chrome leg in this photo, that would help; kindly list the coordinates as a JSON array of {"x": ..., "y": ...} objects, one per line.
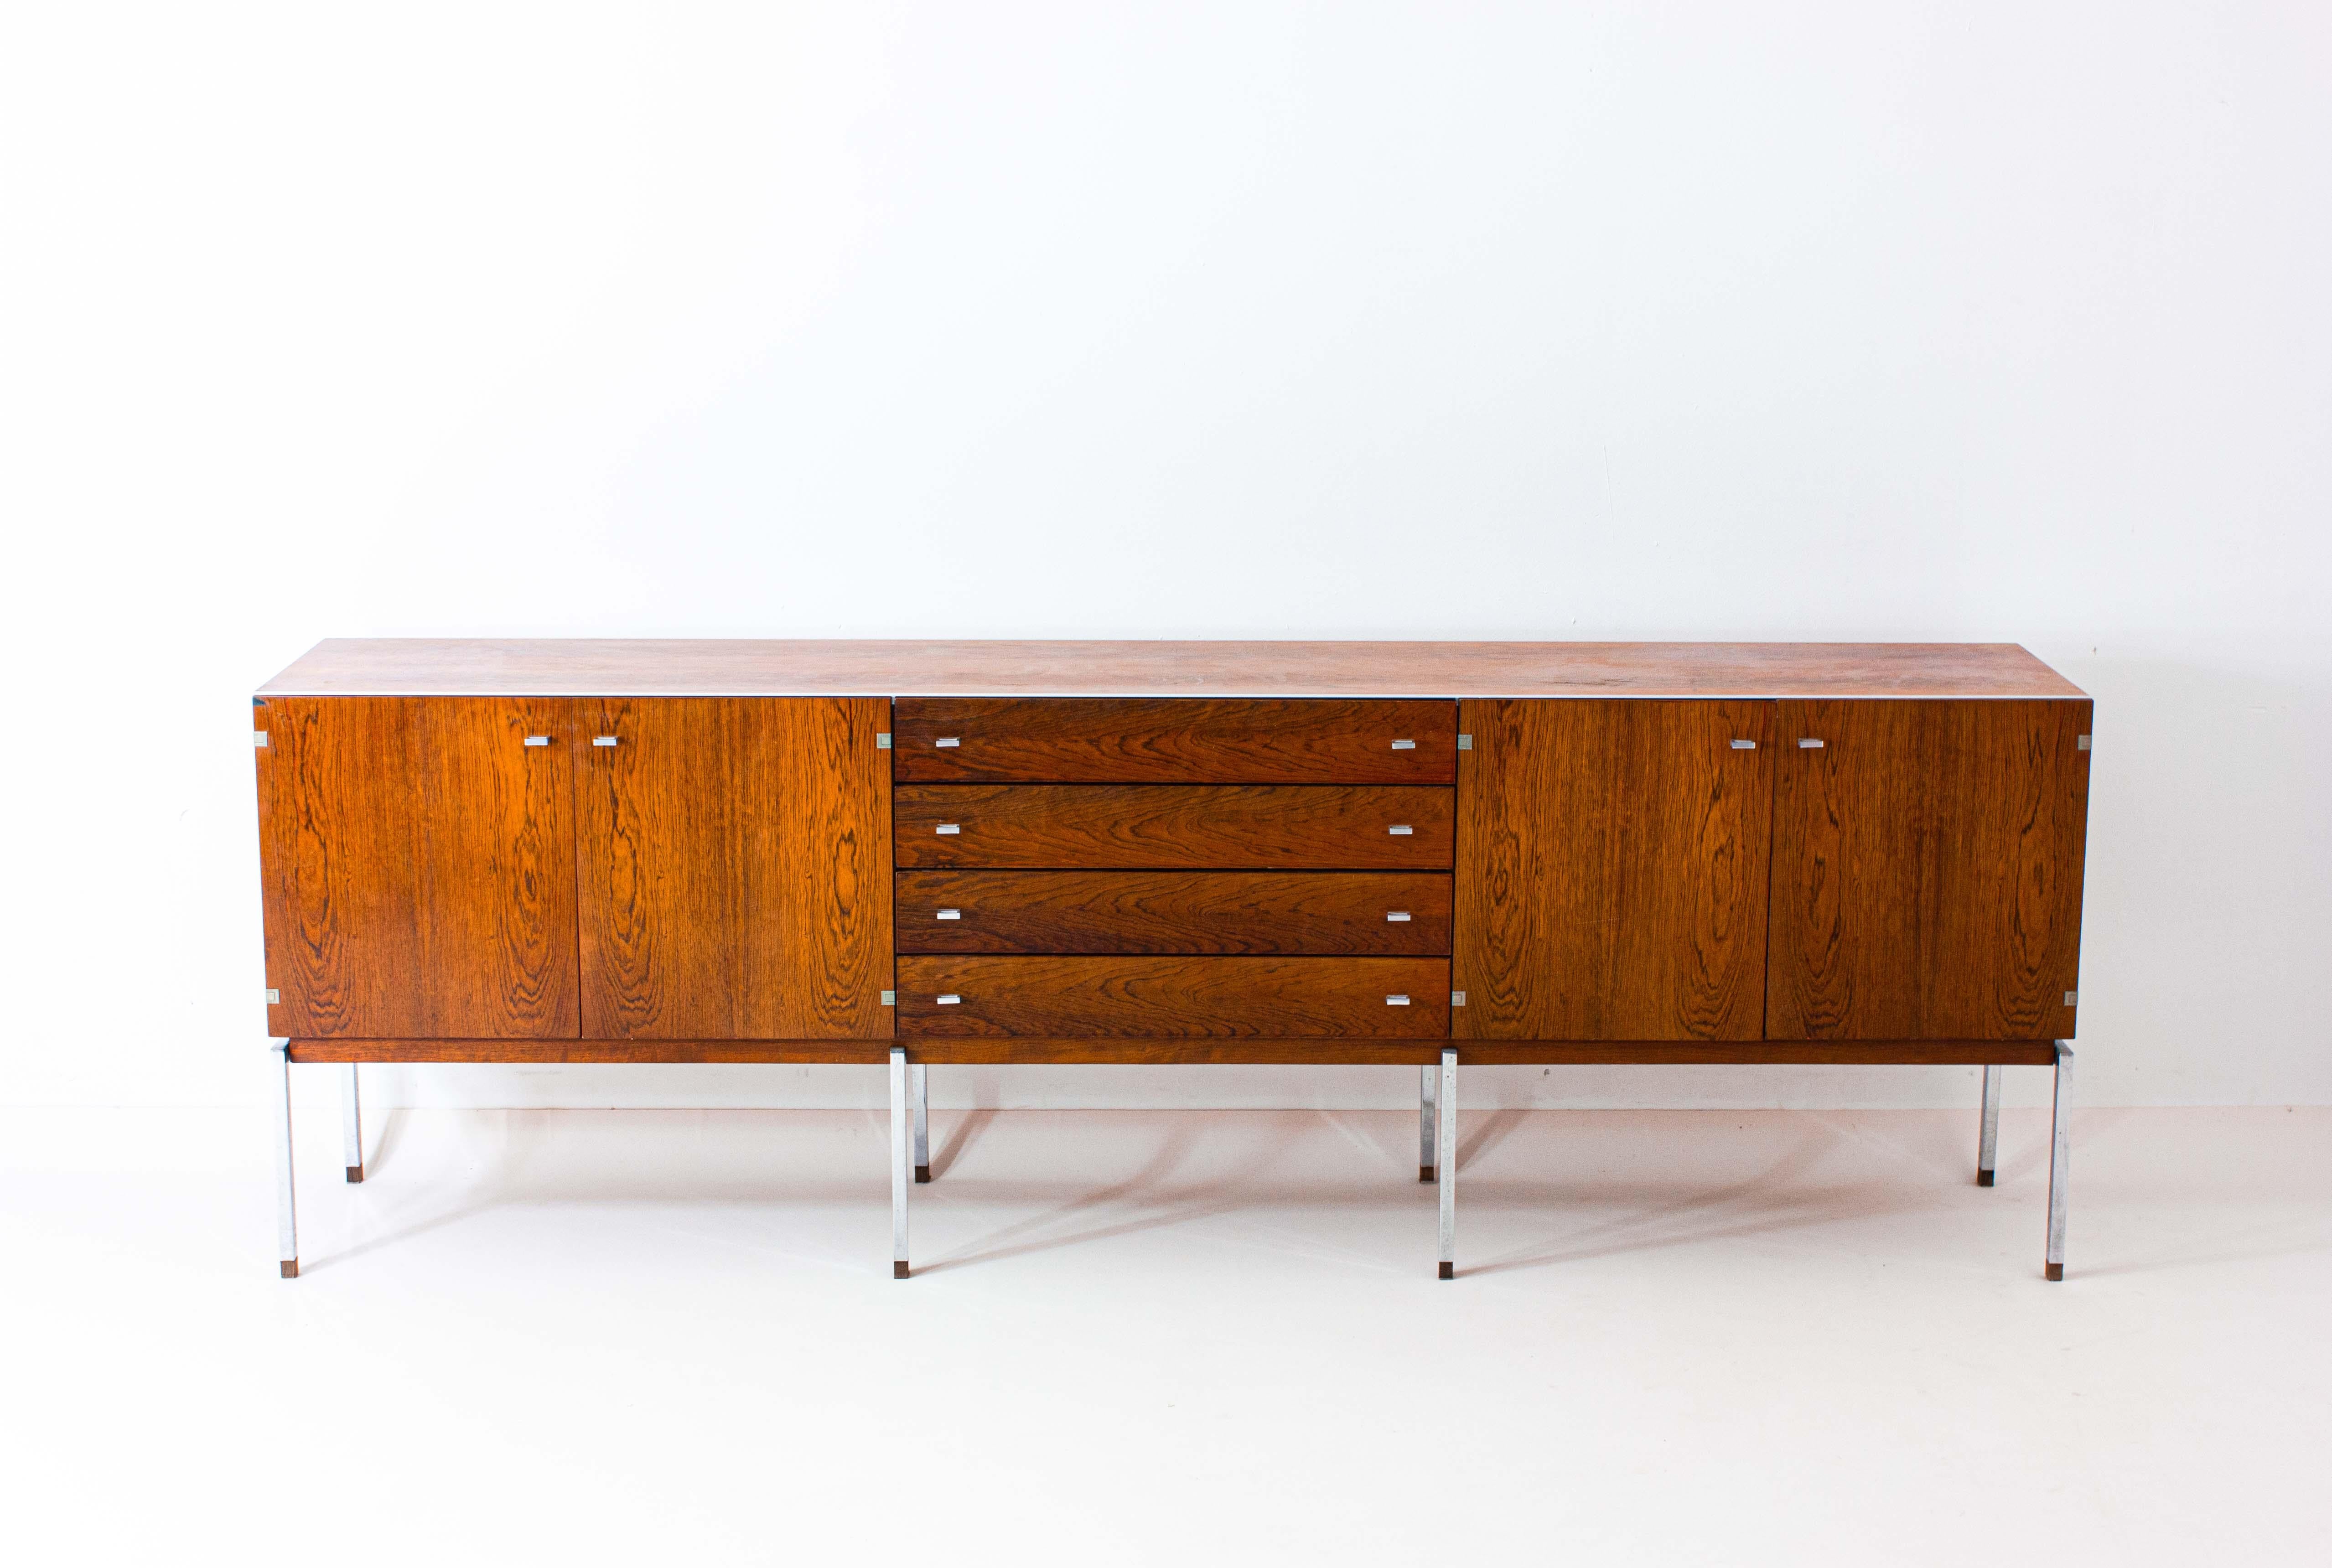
[
  {"x": 352, "y": 1125},
  {"x": 1425, "y": 1113},
  {"x": 279, "y": 1114},
  {"x": 898, "y": 1142},
  {"x": 1987, "y": 1137},
  {"x": 2061, "y": 1158},
  {"x": 1448, "y": 1164},
  {"x": 916, "y": 1083}
]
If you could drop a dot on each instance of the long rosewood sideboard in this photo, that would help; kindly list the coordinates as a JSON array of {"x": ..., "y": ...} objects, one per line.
[{"x": 1416, "y": 854}]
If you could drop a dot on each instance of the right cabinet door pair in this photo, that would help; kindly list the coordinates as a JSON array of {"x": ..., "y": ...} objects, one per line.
[{"x": 1870, "y": 869}]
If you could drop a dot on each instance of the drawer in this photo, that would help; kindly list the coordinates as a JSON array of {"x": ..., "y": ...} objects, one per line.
[
  {"x": 1174, "y": 998},
  {"x": 1172, "y": 912},
  {"x": 1172, "y": 740},
  {"x": 1141, "y": 826}
]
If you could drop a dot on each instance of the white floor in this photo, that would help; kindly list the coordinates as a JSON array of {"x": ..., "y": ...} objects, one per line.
[{"x": 1167, "y": 1337}]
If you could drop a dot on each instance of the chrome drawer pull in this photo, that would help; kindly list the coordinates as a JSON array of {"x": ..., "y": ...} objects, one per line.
[
  {"x": 1808, "y": 745},
  {"x": 603, "y": 739},
  {"x": 1745, "y": 745},
  {"x": 950, "y": 915},
  {"x": 538, "y": 739},
  {"x": 1396, "y": 914},
  {"x": 1404, "y": 745},
  {"x": 950, "y": 999},
  {"x": 949, "y": 740},
  {"x": 951, "y": 827},
  {"x": 1397, "y": 1000},
  {"x": 1402, "y": 830}
]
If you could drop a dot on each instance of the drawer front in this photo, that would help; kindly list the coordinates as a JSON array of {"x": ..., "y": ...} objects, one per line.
[
  {"x": 1172, "y": 912},
  {"x": 1174, "y": 998},
  {"x": 1141, "y": 827},
  {"x": 1172, "y": 740}
]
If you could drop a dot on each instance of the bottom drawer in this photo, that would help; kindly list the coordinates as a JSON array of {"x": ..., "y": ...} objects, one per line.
[{"x": 987, "y": 997}]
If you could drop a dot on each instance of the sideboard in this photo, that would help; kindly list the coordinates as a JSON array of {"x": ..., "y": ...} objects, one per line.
[{"x": 1408, "y": 855}]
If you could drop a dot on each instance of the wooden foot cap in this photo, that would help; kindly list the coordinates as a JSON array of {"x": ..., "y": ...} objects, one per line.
[
  {"x": 1425, "y": 1173},
  {"x": 291, "y": 1268},
  {"x": 898, "y": 1268},
  {"x": 1448, "y": 1271},
  {"x": 2054, "y": 1271},
  {"x": 922, "y": 1172},
  {"x": 1984, "y": 1178},
  {"x": 356, "y": 1173}
]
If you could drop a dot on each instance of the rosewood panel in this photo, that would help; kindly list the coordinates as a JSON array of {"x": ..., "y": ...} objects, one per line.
[
  {"x": 417, "y": 858},
  {"x": 1172, "y": 912},
  {"x": 1173, "y": 740},
  {"x": 1927, "y": 870},
  {"x": 730, "y": 855},
  {"x": 1612, "y": 869},
  {"x": 1326, "y": 997},
  {"x": 1141, "y": 826}
]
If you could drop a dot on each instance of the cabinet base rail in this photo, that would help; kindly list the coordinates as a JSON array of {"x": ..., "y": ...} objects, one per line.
[{"x": 1437, "y": 1100}]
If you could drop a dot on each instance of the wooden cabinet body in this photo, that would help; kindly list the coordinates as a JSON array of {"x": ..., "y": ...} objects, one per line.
[{"x": 1362, "y": 852}]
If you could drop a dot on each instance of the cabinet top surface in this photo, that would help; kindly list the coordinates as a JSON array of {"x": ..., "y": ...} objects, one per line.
[{"x": 614, "y": 668}]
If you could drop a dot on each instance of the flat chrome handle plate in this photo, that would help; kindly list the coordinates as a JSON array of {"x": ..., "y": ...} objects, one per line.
[
  {"x": 949, "y": 1000},
  {"x": 1397, "y": 915},
  {"x": 1404, "y": 745},
  {"x": 949, "y": 914},
  {"x": 1808, "y": 743},
  {"x": 603, "y": 739},
  {"x": 1397, "y": 1000},
  {"x": 538, "y": 739},
  {"x": 951, "y": 827},
  {"x": 1400, "y": 830},
  {"x": 946, "y": 741},
  {"x": 1745, "y": 745}
]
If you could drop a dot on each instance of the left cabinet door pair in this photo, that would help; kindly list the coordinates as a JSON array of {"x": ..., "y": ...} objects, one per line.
[{"x": 548, "y": 868}]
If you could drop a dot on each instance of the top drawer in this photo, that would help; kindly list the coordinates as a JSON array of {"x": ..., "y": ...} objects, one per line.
[{"x": 1172, "y": 740}]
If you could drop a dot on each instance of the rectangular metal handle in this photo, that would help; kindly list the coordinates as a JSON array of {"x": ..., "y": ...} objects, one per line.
[
  {"x": 1397, "y": 915},
  {"x": 1809, "y": 744},
  {"x": 1745, "y": 745},
  {"x": 538, "y": 739},
  {"x": 1404, "y": 745},
  {"x": 949, "y": 740},
  {"x": 1400, "y": 830},
  {"x": 1397, "y": 1000},
  {"x": 948, "y": 914},
  {"x": 949, "y": 1000},
  {"x": 951, "y": 827},
  {"x": 603, "y": 739}
]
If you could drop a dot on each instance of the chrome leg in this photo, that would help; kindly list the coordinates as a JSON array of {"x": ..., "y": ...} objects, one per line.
[
  {"x": 1448, "y": 1164},
  {"x": 1425, "y": 1124},
  {"x": 352, "y": 1125},
  {"x": 2061, "y": 1158},
  {"x": 923, "y": 1122},
  {"x": 899, "y": 1140},
  {"x": 1987, "y": 1138},
  {"x": 287, "y": 1221}
]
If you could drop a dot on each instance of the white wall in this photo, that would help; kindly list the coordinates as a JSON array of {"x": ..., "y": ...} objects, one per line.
[{"x": 1949, "y": 322}]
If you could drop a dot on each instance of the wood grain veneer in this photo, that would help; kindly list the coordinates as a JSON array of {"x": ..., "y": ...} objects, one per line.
[
  {"x": 601, "y": 667},
  {"x": 417, "y": 864},
  {"x": 731, "y": 865},
  {"x": 1611, "y": 870},
  {"x": 1141, "y": 827},
  {"x": 1927, "y": 863},
  {"x": 1172, "y": 912},
  {"x": 1150, "y": 997},
  {"x": 1173, "y": 740}
]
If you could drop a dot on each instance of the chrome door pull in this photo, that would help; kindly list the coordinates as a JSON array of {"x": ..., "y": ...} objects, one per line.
[
  {"x": 949, "y": 914},
  {"x": 949, "y": 740},
  {"x": 1396, "y": 914},
  {"x": 1809, "y": 744},
  {"x": 1397, "y": 1000},
  {"x": 538, "y": 739},
  {"x": 951, "y": 827},
  {"x": 1404, "y": 745},
  {"x": 1400, "y": 830},
  {"x": 603, "y": 739},
  {"x": 1745, "y": 745},
  {"x": 950, "y": 999}
]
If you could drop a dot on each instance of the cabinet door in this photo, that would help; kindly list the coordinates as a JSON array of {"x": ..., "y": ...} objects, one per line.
[
  {"x": 733, "y": 856},
  {"x": 418, "y": 857},
  {"x": 1927, "y": 870},
  {"x": 1611, "y": 870}
]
